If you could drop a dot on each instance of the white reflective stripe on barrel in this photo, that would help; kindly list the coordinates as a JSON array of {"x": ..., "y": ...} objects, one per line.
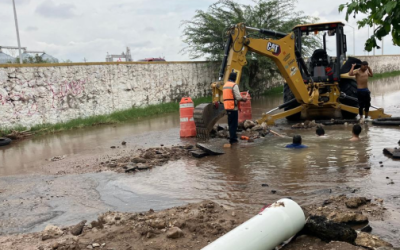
[
  {"x": 186, "y": 105},
  {"x": 186, "y": 119}
]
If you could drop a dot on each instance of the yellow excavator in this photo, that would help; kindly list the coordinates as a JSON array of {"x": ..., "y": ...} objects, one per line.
[{"x": 317, "y": 89}]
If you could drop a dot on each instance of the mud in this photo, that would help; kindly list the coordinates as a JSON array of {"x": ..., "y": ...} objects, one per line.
[
  {"x": 59, "y": 179},
  {"x": 192, "y": 226},
  {"x": 197, "y": 225}
]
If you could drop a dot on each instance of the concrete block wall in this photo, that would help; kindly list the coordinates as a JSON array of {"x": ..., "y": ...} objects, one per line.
[
  {"x": 382, "y": 63},
  {"x": 32, "y": 95}
]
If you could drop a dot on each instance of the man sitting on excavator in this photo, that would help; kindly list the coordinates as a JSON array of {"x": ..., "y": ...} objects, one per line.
[{"x": 232, "y": 95}]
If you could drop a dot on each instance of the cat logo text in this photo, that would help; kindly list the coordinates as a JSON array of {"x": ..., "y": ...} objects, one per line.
[{"x": 274, "y": 48}]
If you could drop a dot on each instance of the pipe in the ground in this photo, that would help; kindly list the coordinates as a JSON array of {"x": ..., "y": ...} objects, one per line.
[{"x": 275, "y": 224}]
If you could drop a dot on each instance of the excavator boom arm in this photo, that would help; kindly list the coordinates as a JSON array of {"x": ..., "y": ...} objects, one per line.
[{"x": 281, "y": 51}]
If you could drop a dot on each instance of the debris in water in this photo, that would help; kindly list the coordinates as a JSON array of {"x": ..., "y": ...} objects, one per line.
[{"x": 57, "y": 158}]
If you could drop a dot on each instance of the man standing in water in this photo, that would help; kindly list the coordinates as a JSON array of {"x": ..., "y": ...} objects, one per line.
[
  {"x": 363, "y": 93},
  {"x": 232, "y": 96}
]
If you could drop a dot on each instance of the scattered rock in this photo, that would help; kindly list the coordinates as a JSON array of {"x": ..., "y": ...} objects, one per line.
[
  {"x": 370, "y": 241},
  {"x": 355, "y": 202},
  {"x": 159, "y": 224},
  {"x": 130, "y": 169},
  {"x": 141, "y": 166},
  {"x": 328, "y": 230},
  {"x": 306, "y": 124},
  {"x": 222, "y": 134},
  {"x": 273, "y": 191},
  {"x": 112, "y": 165},
  {"x": 174, "y": 233},
  {"x": 198, "y": 153},
  {"x": 257, "y": 128},
  {"x": 188, "y": 147},
  {"x": 57, "y": 158},
  {"x": 123, "y": 143},
  {"x": 264, "y": 185},
  {"x": 347, "y": 217},
  {"x": 366, "y": 229},
  {"x": 112, "y": 147},
  {"x": 51, "y": 232},
  {"x": 96, "y": 245},
  {"x": 78, "y": 228},
  {"x": 248, "y": 124},
  {"x": 138, "y": 160},
  {"x": 326, "y": 202}
]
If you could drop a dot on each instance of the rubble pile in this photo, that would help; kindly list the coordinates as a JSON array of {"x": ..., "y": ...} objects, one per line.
[
  {"x": 248, "y": 128},
  {"x": 148, "y": 158}
]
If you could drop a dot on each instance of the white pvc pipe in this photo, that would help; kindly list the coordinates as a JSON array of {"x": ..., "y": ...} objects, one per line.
[{"x": 277, "y": 223}]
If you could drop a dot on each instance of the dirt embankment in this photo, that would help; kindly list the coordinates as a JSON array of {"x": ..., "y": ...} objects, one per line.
[
  {"x": 195, "y": 225},
  {"x": 187, "y": 227}
]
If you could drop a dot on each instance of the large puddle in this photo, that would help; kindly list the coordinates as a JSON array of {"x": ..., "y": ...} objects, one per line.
[{"x": 330, "y": 166}]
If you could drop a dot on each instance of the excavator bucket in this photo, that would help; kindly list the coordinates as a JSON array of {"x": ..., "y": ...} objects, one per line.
[{"x": 205, "y": 116}]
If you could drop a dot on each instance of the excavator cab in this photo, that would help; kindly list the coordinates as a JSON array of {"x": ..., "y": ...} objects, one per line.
[{"x": 323, "y": 66}]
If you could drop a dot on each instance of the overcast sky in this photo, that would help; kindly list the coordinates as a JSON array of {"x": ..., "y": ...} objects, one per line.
[{"x": 78, "y": 29}]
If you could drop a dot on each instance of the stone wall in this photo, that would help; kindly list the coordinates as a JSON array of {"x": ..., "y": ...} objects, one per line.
[
  {"x": 33, "y": 95},
  {"x": 37, "y": 94},
  {"x": 382, "y": 64}
]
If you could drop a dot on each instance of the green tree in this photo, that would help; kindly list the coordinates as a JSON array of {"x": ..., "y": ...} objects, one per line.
[
  {"x": 384, "y": 13},
  {"x": 205, "y": 34},
  {"x": 32, "y": 60}
]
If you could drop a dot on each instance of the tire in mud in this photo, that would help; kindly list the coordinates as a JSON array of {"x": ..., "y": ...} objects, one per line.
[
  {"x": 349, "y": 87},
  {"x": 4, "y": 141}
]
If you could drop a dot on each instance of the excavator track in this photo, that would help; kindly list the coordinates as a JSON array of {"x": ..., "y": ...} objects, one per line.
[{"x": 205, "y": 117}]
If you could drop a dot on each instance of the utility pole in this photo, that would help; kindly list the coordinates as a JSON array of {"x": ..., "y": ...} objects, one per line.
[
  {"x": 16, "y": 26},
  {"x": 382, "y": 46}
]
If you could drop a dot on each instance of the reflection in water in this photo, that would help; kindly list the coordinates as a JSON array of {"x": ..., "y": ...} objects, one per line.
[
  {"x": 330, "y": 166},
  {"x": 30, "y": 155}
]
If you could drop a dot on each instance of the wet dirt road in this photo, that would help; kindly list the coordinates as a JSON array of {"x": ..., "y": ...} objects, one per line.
[{"x": 32, "y": 198}]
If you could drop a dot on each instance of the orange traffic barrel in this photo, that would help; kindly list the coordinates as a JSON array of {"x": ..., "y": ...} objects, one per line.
[
  {"x": 186, "y": 108},
  {"x": 245, "y": 108}
]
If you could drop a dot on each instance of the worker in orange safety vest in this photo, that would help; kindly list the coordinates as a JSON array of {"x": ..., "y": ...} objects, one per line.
[{"x": 231, "y": 97}]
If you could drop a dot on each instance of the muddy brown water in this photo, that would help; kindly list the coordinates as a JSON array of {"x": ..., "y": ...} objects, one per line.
[{"x": 31, "y": 199}]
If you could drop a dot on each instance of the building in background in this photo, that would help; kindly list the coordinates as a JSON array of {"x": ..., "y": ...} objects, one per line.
[
  {"x": 124, "y": 57},
  {"x": 27, "y": 56},
  {"x": 4, "y": 58}
]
